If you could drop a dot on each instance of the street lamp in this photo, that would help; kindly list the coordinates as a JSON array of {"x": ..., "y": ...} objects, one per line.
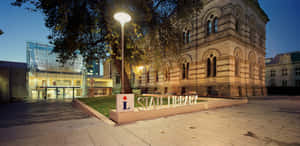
[{"x": 122, "y": 18}]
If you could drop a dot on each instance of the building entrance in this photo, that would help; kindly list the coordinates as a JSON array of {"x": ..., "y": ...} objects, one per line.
[{"x": 56, "y": 93}]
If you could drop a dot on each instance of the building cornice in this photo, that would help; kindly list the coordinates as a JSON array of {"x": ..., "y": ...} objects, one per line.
[{"x": 255, "y": 5}]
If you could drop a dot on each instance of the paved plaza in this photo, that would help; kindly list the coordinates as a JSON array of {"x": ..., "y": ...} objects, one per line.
[
  {"x": 38, "y": 112},
  {"x": 269, "y": 122}
]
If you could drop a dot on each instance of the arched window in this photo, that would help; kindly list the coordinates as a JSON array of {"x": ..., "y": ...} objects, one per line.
[
  {"x": 215, "y": 25},
  {"x": 183, "y": 71},
  {"x": 188, "y": 36},
  {"x": 183, "y": 37},
  {"x": 187, "y": 70},
  {"x": 211, "y": 66},
  {"x": 208, "y": 67},
  {"x": 251, "y": 70},
  {"x": 252, "y": 63},
  {"x": 209, "y": 27},
  {"x": 237, "y": 66},
  {"x": 156, "y": 76},
  {"x": 237, "y": 26},
  {"x": 214, "y": 66}
]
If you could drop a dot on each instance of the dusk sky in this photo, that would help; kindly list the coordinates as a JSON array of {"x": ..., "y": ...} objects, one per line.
[{"x": 20, "y": 25}]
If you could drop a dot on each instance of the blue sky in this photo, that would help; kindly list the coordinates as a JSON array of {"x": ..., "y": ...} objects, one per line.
[{"x": 20, "y": 25}]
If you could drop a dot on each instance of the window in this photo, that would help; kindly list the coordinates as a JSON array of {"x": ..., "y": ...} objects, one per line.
[
  {"x": 209, "y": 27},
  {"x": 215, "y": 25},
  {"x": 273, "y": 73},
  {"x": 78, "y": 83},
  {"x": 214, "y": 66},
  {"x": 237, "y": 66},
  {"x": 118, "y": 79},
  {"x": 237, "y": 26},
  {"x": 297, "y": 83},
  {"x": 156, "y": 76},
  {"x": 284, "y": 72},
  {"x": 166, "y": 90},
  {"x": 297, "y": 71},
  {"x": 184, "y": 37},
  {"x": 167, "y": 75},
  {"x": 185, "y": 70},
  {"x": 251, "y": 72},
  {"x": 211, "y": 66},
  {"x": 208, "y": 67},
  {"x": 188, "y": 37},
  {"x": 284, "y": 83}
]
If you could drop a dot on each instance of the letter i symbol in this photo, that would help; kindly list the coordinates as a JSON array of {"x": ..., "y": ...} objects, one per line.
[{"x": 124, "y": 103}]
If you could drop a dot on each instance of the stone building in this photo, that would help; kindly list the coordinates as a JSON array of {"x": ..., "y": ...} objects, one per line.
[
  {"x": 283, "y": 70},
  {"x": 224, "y": 53}
]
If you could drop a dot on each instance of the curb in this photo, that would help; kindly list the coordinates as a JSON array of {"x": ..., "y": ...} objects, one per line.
[{"x": 92, "y": 112}]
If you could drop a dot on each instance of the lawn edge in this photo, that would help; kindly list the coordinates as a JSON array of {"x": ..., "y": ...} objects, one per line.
[{"x": 89, "y": 110}]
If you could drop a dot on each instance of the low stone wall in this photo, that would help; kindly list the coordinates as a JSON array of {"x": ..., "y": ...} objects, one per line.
[{"x": 128, "y": 117}]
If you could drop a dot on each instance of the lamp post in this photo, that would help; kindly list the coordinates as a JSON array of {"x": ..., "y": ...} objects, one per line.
[{"x": 122, "y": 18}]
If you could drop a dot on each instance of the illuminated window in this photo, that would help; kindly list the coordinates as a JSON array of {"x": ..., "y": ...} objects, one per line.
[
  {"x": 215, "y": 25},
  {"x": 209, "y": 27}
]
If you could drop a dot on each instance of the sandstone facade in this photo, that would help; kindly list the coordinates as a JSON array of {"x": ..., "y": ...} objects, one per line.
[{"x": 224, "y": 54}]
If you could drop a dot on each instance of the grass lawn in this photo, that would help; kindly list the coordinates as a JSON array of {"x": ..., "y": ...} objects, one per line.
[
  {"x": 102, "y": 104},
  {"x": 106, "y": 103}
]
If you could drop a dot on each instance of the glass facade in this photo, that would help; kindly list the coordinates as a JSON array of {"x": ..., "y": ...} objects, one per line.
[{"x": 49, "y": 79}]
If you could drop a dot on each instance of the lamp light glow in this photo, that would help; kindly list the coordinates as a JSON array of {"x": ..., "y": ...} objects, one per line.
[{"x": 122, "y": 17}]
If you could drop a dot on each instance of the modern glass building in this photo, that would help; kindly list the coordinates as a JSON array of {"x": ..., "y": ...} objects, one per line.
[{"x": 49, "y": 79}]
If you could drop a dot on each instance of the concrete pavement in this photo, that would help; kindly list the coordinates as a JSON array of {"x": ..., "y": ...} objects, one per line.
[
  {"x": 80, "y": 132},
  {"x": 259, "y": 123}
]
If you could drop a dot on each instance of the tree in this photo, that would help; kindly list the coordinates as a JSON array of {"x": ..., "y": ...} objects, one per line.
[{"x": 87, "y": 27}]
